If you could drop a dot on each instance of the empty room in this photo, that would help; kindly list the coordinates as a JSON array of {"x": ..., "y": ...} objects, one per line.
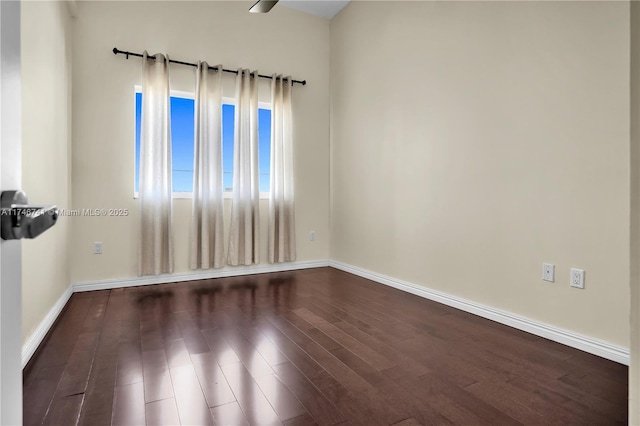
[{"x": 319, "y": 212}]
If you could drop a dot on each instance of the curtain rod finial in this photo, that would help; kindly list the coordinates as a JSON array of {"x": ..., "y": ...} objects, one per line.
[
  {"x": 115, "y": 50},
  {"x": 304, "y": 82}
]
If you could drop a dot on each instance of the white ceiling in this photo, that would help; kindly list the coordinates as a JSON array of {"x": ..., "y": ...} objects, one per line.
[{"x": 323, "y": 8}]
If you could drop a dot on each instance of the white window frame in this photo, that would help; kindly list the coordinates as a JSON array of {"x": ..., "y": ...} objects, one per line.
[{"x": 188, "y": 95}]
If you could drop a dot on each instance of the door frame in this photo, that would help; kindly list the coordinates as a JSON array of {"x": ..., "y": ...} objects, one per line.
[{"x": 10, "y": 251}]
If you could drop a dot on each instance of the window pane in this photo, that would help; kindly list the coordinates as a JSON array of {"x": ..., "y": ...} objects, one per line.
[
  {"x": 182, "y": 110},
  {"x": 228, "y": 112},
  {"x": 182, "y": 180},
  {"x": 182, "y": 144},
  {"x": 264, "y": 149},
  {"x": 182, "y": 121},
  {"x": 264, "y": 146},
  {"x": 138, "y": 120}
]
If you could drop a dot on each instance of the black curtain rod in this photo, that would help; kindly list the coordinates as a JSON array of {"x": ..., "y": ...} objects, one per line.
[{"x": 140, "y": 55}]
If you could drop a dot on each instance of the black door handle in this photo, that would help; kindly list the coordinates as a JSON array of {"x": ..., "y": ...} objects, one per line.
[{"x": 19, "y": 220}]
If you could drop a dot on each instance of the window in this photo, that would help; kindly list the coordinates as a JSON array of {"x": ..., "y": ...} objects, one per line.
[{"x": 182, "y": 113}]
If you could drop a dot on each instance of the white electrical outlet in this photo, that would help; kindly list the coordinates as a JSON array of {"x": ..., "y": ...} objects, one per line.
[
  {"x": 577, "y": 278},
  {"x": 97, "y": 248},
  {"x": 312, "y": 235},
  {"x": 548, "y": 272}
]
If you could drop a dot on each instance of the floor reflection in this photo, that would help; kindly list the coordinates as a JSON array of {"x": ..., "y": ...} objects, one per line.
[
  {"x": 153, "y": 297},
  {"x": 242, "y": 288},
  {"x": 280, "y": 290},
  {"x": 204, "y": 297},
  {"x": 163, "y": 301}
]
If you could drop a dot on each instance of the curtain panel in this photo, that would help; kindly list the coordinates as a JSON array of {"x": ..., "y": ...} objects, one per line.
[
  {"x": 207, "y": 228},
  {"x": 282, "y": 238},
  {"x": 155, "y": 254},
  {"x": 245, "y": 211}
]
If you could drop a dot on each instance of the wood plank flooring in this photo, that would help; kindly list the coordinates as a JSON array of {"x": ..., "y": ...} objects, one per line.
[{"x": 317, "y": 346}]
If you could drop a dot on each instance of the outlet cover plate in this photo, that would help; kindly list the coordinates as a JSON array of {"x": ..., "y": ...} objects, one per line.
[{"x": 577, "y": 278}]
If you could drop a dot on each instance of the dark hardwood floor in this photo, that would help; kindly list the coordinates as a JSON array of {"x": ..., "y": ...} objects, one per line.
[{"x": 317, "y": 346}]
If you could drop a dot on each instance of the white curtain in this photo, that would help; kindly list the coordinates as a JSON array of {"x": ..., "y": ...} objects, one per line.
[
  {"x": 245, "y": 215},
  {"x": 155, "y": 254},
  {"x": 282, "y": 237},
  {"x": 207, "y": 231}
]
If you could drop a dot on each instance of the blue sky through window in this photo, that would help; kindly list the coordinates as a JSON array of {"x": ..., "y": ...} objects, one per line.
[{"x": 182, "y": 110}]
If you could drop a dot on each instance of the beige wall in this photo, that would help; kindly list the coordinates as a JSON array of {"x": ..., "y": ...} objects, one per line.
[
  {"x": 283, "y": 41},
  {"x": 46, "y": 144},
  {"x": 473, "y": 141}
]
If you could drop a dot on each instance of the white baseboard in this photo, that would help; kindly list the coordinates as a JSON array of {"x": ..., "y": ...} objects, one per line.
[
  {"x": 566, "y": 337},
  {"x": 32, "y": 343},
  {"x": 196, "y": 275}
]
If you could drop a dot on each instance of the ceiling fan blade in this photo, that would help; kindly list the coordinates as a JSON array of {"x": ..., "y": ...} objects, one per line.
[{"x": 263, "y": 6}]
